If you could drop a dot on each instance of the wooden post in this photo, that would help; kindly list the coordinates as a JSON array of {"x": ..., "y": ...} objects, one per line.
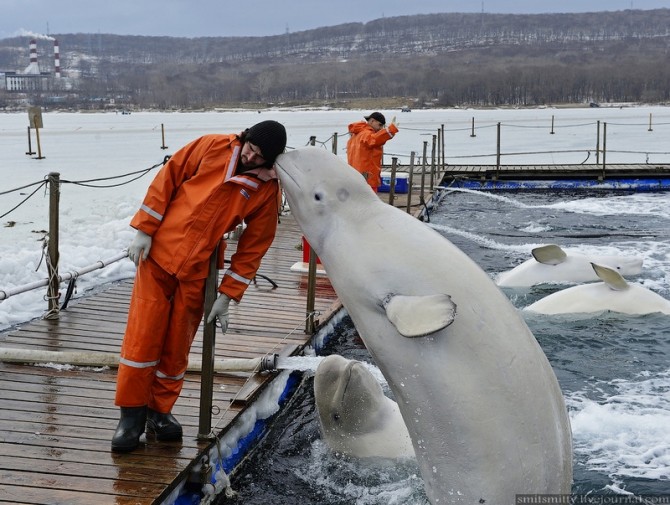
[
  {"x": 39, "y": 145},
  {"x": 410, "y": 180},
  {"x": 598, "y": 143},
  {"x": 208, "y": 346},
  {"x": 423, "y": 172},
  {"x": 604, "y": 147},
  {"x": 53, "y": 254},
  {"x": 394, "y": 167},
  {"x": 472, "y": 134},
  {"x": 498, "y": 152},
  {"x": 310, "y": 323},
  {"x": 163, "y": 146},
  {"x": 335, "y": 143},
  {"x": 443, "y": 156},
  {"x": 432, "y": 163},
  {"x": 30, "y": 147}
]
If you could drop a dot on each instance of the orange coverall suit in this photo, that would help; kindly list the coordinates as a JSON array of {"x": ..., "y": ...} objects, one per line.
[
  {"x": 194, "y": 199},
  {"x": 365, "y": 150}
]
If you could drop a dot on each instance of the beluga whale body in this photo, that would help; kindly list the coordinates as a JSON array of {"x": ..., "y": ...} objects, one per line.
[
  {"x": 356, "y": 417},
  {"x": 552, "y": 264},
  {"x": 614, "y": 294},
  {"x": 479, "y": 398}
]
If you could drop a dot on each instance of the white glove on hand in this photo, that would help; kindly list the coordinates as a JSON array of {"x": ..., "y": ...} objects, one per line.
[
  {"x": 220, "y": 311},
  {"x": 393, "y": 121},
  {"x": 139, "y": 249}
]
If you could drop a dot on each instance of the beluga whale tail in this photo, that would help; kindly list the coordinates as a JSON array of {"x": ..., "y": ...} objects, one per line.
[{"x": 479, "y": 398}]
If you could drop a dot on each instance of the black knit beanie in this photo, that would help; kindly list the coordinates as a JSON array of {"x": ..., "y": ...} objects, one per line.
[{"x": 270, "y": 137}]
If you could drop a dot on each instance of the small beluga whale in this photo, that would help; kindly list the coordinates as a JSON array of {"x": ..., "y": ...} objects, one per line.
[
  {"x": 356, "y": 417},
  {"x": 613, "y": 294},
  {"x": 552, "y": 264},
  {"x": 479, "y": 398}
]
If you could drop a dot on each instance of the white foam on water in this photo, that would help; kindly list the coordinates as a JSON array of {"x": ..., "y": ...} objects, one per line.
[{"x": 625, "y": 434}]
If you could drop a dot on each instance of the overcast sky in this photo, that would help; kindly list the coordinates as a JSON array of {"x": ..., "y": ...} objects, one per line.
[{"x": 206, "y": 18}]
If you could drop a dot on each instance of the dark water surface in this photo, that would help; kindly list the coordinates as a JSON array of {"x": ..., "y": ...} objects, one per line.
[{"x": 614, "y": 369}]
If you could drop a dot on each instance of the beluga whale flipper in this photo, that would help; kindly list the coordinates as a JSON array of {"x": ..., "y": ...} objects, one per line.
[
  {"x": 552, "y": 264},
  {"x": 356, "y": 417},
  {"x": 479, "y": 398},
  {"x": 614, "y": 293}
]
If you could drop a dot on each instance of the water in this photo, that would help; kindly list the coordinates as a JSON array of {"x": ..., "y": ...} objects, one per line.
[{"x": 613, "y": 369}]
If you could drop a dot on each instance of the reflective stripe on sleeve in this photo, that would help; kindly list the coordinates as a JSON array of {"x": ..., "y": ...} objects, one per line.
[
  {"x": 151, "y": 212},
  {"x": 238, "y": 278}
]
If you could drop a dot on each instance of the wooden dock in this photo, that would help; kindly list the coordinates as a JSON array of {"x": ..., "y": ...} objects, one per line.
[{"x": 57, "y": 422}]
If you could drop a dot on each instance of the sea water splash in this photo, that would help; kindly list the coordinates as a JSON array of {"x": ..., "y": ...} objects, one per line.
[{"x": 620, "y": 427}]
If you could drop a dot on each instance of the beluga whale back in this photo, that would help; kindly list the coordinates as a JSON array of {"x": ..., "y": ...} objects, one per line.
[{"x": 478, "y": 396}]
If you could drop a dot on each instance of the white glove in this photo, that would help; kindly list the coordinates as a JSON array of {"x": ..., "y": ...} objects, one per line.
[
  {"x": 139, "y": 249},
  {"x": 393, "y": 121},
  {"x": 220, "y": 311}
]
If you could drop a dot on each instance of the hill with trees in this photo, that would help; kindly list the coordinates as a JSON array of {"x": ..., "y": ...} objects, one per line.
[{"x": 439, "y": 59}]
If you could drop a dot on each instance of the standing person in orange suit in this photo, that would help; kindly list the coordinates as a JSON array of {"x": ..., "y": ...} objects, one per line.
[
  {"x": 205, "y": 190},
  {"x": 365, "y": 148}
]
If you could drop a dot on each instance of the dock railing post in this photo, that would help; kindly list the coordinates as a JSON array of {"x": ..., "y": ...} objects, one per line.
[
  {"x": 53, "y": 254},
  {"x": 335, "y": 143},
  {"x": 598, "y": 143},
  {"x": 443, "y": 158},
  {"x": 312, "y": 140},
  {"x": 604, "y": 148},
  {"x": 498, "y": 152},
  {"x": 208, "y": 347},
  {"x": 310, "y": 323},
  {"x": 410, "y": 180},
  {"x": 423, "y": 173},
  {"x": 432, "y": 163},
  {"x": 394, "y": 167}
]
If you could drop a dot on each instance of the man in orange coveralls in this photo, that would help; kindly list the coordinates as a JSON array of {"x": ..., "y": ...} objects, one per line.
[
  {"x": 205, "y": 190},
  {"x": 365, "y": 147}
]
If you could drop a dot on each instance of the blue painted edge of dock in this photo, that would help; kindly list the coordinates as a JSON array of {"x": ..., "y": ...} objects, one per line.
[
  {"x": 240, "y": 446},
  {"x": 614, "y": 184}
]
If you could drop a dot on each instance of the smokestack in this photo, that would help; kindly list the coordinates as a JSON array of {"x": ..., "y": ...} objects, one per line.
[
  {"x": 34, "y": 67},
  {"x": 56, "y": 60}
]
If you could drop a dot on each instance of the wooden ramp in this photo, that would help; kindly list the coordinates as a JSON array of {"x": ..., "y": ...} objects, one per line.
[{"x": 56, "y": 423}]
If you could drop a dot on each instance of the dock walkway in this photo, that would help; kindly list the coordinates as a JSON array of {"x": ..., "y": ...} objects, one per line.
[{"x": 56, "y": 422}]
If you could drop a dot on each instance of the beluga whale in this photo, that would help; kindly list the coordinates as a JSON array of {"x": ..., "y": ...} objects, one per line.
[
  {"x": 356, "y": 418},
  {"x": 478, "y": 396},
  {"x": 552, "y": 264},
  {"x": 613, "y": 294}
]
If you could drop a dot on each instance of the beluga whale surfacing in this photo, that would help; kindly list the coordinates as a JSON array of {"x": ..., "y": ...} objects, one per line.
[{"x": 478, "y": 396}]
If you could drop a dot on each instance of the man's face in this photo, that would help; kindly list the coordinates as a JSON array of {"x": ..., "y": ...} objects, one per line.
[
  {"x": 251, "y": 156},
  {"x": 376, "y": 125}
]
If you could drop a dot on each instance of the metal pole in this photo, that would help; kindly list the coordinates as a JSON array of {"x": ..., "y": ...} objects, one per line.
[
  {"x": 335, "y": 143},
  {"x": 650, "y": 128},
  {"x": 52, "y": 248},
  {"x": 472, "y": 134},
  {"x": 432, "y": 163},
  {"x": 410, "y": 180},
  {"x": 443, "y": 147},
  {"x": 208, "y": 346},
  {"x": 552, "y": 125},
  {"x": 394, "y": 167}
]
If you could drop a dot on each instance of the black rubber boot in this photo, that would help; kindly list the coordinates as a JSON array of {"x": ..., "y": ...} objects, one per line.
[
  {"x": 164, "y": 426},
  {"x": 130, "y": 429}
]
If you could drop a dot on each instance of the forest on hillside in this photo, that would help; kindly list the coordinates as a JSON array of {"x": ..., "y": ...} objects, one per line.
[{"x": 424, "y": 60}]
